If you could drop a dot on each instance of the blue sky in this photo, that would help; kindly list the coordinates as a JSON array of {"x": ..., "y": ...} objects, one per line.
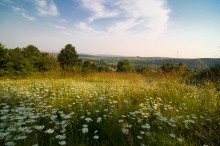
[{"x": 165, "y": 28}]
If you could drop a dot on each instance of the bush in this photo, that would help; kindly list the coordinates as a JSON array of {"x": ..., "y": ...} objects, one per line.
[
  {"x": 212, "y": 74},
  {"x": 124, "y": 66}
]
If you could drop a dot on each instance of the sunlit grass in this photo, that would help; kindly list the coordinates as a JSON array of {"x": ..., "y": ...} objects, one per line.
[{"x": 108, "y": 109}]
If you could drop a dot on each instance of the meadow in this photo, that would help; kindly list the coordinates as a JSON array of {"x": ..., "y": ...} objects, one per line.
[{"x": 109, "y": 109}]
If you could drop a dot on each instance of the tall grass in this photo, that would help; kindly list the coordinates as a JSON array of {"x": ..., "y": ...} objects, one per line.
[{"x": 108, "y": 109}]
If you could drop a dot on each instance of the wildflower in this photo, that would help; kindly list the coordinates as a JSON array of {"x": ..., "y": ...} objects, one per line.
[
  {"x": 3, "y": 118},
  {"x": 85, "y": 130},
  {"x": 20, "y": 137},
  {"x": 115, "y": 102},
  {"x": 163, "y": 119},
  {"x": 142, "y": 132},
  {"x": 96, "y": 137},
  {"x": 120, "y": 121},
  {"x": 123, "y": 116},
  {"x": 53, "y": 117},
  {"x": 60, "y": 137},
  {"x": 4, "y": 111},
  {"x": 50, "y": 131},
  {"x": 146, "y": 126},
  {"x": 63, "y": 131},
  {"x": 189, "y": 121},
  {"x": 11, "y": 129},
  {"x": 96, "y": 131},
  {"x": 24, "y": 129},
  {"x": 3, "y": 135},
  {"x": 85, "y": 126},
  {"x": 39, "y": 127},
  {"x": 102, "y": 98},
  {"x": 62, "y": 142},
  {"x": 180, "y": 139},
  {"x": 67, "y": 116},
  {"x": 63, "y": 123},
  {"x": 88, "y": 119},
  {"x": 124, "y": 131},
  {"x": 72, "y": 113},
  {"x": 10, "y": 143},
  {"x": 128, "y": 126},
  {"x": 99, "y": 119},
  {"x": 139, "y": 137},
  {"x": 172, "y": 135}
]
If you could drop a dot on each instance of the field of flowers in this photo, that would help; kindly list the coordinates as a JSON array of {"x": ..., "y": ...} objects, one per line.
[{"x": 108, "y": 110}]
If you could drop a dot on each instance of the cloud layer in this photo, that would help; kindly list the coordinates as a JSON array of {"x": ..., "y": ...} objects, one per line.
[
  {"x": 46, "y": 7},
  {"x": 126, "y": 16},
  {"x": 23, "y": 13}
]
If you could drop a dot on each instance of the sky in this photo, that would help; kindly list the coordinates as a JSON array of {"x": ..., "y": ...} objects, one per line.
[{"x": 146, "y": 28}]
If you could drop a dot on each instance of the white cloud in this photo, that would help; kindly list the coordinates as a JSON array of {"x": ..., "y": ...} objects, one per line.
[
  {"x": 28, "y": 17},
  {"x": 46, "y": 8},
  {"x": 85, "y": 29},
  {"x": 128, "y": 26},
  {"x": 58, "y": 26},
  {"x": 23, "y": 13},
  {"x": 98, "y": 9},
  {"x": 7, "y": 1},
  {"x": 17, "y": 9},
  {"x": 149, "y": 17},
  {"x": 148, "y": 14}
]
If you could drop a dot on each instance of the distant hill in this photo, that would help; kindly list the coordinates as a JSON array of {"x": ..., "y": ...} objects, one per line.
[{"x": 196, "y": 63}]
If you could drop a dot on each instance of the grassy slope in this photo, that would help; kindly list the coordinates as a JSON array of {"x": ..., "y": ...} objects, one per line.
[{"x": 125, "y": 109}]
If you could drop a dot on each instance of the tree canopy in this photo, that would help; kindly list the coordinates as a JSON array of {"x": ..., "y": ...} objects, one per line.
[
  {"x": 124, "y": 66},
  {"x": 68, "y": 57},
  {"x": 22, "y": 61}
]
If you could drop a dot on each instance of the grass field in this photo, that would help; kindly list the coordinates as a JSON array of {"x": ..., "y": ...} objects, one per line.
[{"x": 108, "y": 109}]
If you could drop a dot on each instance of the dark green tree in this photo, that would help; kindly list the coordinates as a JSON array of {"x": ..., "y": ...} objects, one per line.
[
  {"x": 89, "y": 66},
  {"x": 31, "y": 52},
  {"x": 68, "y": 57},
  {"x": 168, "y": 67},
  {"x": 124, "y": 66},
  {"x": 212, "y": 73},
  {"x": 180, "y": 68},
  {"x": 23, "y": 61},
  {"x": 3, "y": 53},
  {"x": 46, "y": 62}
]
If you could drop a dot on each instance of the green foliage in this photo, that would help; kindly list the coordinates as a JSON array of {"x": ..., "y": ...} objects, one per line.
[
  {"x": 212, "y": 74},
  {"x": 168, "y": 67},
  {"x": 23, "y": 61},
  {"x": 89, "y": 66},
  {"x": 124, "y": 66},
  {"x": 180, "y": 68},
  {"x": 143, "y": 69},
  {"x": 108, "y": 109},
  {"x": 68, "y": 57}
]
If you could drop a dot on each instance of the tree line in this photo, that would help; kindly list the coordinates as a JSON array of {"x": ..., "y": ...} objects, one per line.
[{"x": 23, "y": 61}]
